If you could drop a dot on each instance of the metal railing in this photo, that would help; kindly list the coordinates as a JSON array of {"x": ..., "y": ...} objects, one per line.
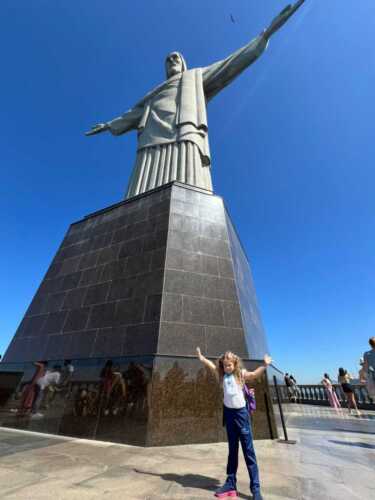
[{"x": 317, "y": 395}]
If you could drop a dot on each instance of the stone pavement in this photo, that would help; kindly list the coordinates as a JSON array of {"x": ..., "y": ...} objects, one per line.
[{"x": 334, "y": 458}]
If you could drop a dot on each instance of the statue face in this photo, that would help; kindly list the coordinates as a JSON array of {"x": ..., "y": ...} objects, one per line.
[{"x": 174, "y": 64}]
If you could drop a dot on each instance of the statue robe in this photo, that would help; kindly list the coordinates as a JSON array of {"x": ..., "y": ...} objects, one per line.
[{"x": 171, "y": 122}]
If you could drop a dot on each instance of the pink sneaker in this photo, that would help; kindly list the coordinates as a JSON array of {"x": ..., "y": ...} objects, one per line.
[{"x": 225, "y": 494}]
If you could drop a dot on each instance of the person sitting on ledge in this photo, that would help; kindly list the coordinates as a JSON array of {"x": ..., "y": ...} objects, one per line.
[{"x": 232, "y": 377}]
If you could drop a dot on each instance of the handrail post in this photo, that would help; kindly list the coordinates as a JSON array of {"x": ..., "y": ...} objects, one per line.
[{"x": 285, "y": 440}]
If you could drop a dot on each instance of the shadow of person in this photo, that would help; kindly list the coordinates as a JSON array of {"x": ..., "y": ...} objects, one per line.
[
  {"x": 358, "y": 443},
  {"x": 189, "y": 481}
]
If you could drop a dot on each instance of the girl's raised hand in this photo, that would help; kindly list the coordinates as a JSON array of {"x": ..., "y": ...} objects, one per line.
[
  {"x": 267, "y": 359},
  {"x": 199, "y": 353}
]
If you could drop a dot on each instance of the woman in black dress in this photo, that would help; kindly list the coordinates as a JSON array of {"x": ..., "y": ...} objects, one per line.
[{"x": 344, "y": 379}]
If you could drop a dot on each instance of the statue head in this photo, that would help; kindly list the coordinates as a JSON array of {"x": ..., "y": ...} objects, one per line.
[{"x": 174, "y": 64}]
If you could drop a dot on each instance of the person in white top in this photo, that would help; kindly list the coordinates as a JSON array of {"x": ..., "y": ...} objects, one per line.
[
  {"x": 230, "y": 373},
  {"x": 51, "y": 377}
]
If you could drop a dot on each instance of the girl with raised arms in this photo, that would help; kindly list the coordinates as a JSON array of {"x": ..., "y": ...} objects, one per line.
[{"x": 232, "y": 377}]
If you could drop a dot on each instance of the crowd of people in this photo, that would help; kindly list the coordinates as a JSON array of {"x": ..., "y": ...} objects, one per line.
[{"x": 366, "y": 377}]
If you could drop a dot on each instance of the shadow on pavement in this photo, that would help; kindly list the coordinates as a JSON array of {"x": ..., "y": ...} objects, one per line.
[
  {"x": 190, "y": 481},
  {"x": 348, "y": 443}
]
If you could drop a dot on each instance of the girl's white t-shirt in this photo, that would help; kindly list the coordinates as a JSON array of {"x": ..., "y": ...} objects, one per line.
[{"x": 233, "y": 393}]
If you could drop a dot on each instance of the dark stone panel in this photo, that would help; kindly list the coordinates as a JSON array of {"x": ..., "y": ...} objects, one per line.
[
  {"x": 52, "y": 285},
  {"x": 155, "y": 241},
  {"x": 55, "y": 302},
  {"x": 183, "y": 207},
  {"x": 183, "y": 241},
  {"x": 100, "y": 241},
  {"x": 55, "y": 322},
  {"x": 102, "y": 315},
  {"x": 149, "y": 283},
  {"x": 122, "y": 289},
  {"x": 158, "y": 259},
  {"x": 202, "y": 311},
  {"x": 213, "y": 230},
  {"x": 219, "y": 288},
  {"x": 109, "y": 254},
  {"x": 172, "y": 307},
  {"x": 161, "y": 222},
  {"x": 34, "y": 325},
  {"x": 160, "y": 207},
  {"x": 251, "y": 318},
  {"x": 53, "y": 270},
  {"x": 82, "y": 344},
  {"x": 71, "y": 251},
  {"x": 184, "y": 394},
  {"x": 122, "y": 220},
  {"x": 114, "y": 270},
  {"x": 74, "y": 298},
  {"x": 91, "y": 276},
  {"x": 109, "y": 342},
  {"x": 69, "y": 265},
  {"x": 141, "y": 339},
  {"x": 232, "y": 314},
  {"x": 139, "y": 229},
  {"x": 89, "y": 260},
  {"x": 193, "y": 262},
  {"x": 46, "y": 303},
  {"x": 185, "y": 223},
  {"x": 96, "y": 294},
  {"x": 57, "y": 346},
  {"x": 226, "y": 268},
  {"x": 138, "y": 264},
  {"x": 215, "y": 247},
  {"x": 16, "y": 351},
  {"x": 222, "y": 339},
  {"x": 131, "y": 248},
  {"x": 130, "y": 311},
  {"x": 71, "y": 281},
  {"x": 153, "y": 308},
  {"x": 72, "y": 239},
  {"x": 184, "y": 282},
  {"x": 38, "y": 304},
  {"x": 77, "y": 319},
  {"x": 120, "y": 235},
  {"x": 181, "y": 339}
]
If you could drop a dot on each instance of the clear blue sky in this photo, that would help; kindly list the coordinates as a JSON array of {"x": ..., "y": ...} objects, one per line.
[{"x": 292, "y": 142}]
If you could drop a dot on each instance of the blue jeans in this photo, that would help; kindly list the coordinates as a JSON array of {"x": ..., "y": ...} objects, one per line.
[{"x": 238, "y": 429}]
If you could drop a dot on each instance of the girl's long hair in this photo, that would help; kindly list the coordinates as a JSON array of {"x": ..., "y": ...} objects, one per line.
[{"x": 236, "y": 360}]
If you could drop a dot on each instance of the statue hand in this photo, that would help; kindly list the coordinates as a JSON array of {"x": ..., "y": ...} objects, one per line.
[
  {"x": 96, "y": 129},
  {"x": 281, "y": 19}
]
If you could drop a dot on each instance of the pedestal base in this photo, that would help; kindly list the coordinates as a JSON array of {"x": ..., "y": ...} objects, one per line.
[{"x": 141, "y": 284}]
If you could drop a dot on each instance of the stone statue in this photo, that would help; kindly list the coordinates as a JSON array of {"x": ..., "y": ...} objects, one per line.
[{"x": 171, "y": 120}]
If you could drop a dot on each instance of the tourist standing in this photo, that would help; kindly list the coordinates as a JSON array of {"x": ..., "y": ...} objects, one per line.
[
  {"x": 369, "y": 368},
  {"x": 236, "y": 416},
  {"x": 344, "y": 379},
  {"x": 331, "y": 393},
  {"x": 289, "y": 387}
]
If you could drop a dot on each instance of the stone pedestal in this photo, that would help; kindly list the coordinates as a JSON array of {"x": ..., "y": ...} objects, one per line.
[{"x": 142, "y": 283}]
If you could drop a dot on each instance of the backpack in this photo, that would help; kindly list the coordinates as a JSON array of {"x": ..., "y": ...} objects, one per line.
[{"x": 249, "y": 394}]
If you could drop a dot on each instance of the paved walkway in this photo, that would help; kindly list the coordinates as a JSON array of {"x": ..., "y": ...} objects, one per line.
[{"x": 333, "y": 459}]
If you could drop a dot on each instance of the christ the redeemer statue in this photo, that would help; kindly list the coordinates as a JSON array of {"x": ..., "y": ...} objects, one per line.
[{"x": 171, "y": 120}]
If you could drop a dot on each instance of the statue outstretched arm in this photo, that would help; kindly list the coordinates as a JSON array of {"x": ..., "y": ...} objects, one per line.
[
  {"x": 222, "y": 73},
  {"x": 124, "y": 123}
]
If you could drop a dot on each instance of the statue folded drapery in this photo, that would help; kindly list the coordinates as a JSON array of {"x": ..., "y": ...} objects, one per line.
[{"x": 171, "y": 120}]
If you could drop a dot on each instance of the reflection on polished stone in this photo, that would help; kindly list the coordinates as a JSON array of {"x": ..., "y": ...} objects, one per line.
[{"x": 143, "y": 401}]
